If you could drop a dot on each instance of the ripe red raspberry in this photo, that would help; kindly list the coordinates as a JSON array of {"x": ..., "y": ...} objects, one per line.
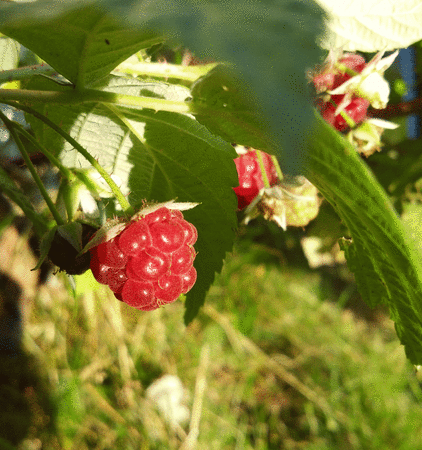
[
  {"x": 150, "y": 263},
  {"x": 250, "y": 176}
]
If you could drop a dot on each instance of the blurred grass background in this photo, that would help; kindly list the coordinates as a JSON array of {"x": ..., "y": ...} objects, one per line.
[{"x": 273, "y": 361}]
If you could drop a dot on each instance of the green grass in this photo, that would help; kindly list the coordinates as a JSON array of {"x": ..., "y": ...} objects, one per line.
[{"x": 284, "y": 369}]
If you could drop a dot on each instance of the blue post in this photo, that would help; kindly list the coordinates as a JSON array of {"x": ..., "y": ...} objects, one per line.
[{"x": 407, "y": 67}]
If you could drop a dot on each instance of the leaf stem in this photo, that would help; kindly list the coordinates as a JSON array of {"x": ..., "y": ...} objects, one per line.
[
  {"x": 78, "y": 96},
  {"x": 164, "y": 70},
  {"x": 67, "y": 173},
  {"x": 277, "y": 167},
  {"x": 9, "y": 188},
  {"x": 346, "y": 70},
  {"x": 23, "y": 73},
  {"x": 12, "y": 127},
  {"x": 262, "y": 168}
]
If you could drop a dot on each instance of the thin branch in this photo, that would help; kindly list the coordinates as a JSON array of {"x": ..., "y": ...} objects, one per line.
[
  {"x": 12, "y": 127},
  {"x": 23, "y": 73},
  {"x": 79, "y": 96},
  {"x": 127, "y": 208},
  {"x": 164, "y": 70},
  {"x": 398, "y": 110},
  {"x": 67, "y": 173}
]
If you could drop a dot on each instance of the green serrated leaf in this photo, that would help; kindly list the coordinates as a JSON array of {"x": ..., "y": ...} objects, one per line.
[
  {"x": 9, "y": 59},
  {"x": 412, "y": 222},
  {"x": 270, "y": 43},
  {"x": 219, "y": 101},
  {"x": 158, "y": 156},
  {"x": 370, "y": 284},
  {"x": 19, "y": 13},
  {"x": 83, "y": 43},
  {"x": 176, "y": 157},
  {"x": 95, "y": 127},
  {"x": 386, "y": 265},
  {"x": 372, "y": 25}
]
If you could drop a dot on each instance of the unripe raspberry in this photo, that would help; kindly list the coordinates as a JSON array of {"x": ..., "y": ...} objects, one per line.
[
  {"x": 335, "y": 74},
  {"x": 250, "y": 176},
  {"x": 150, "y": 262},
  {"x": 356, "y": 110}
]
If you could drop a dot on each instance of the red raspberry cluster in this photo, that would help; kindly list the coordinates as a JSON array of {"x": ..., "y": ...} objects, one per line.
[
  {"x": 150, "y": 263},
  {"x": 331, "y": 79},
  {"x": 250, "y": 176}
]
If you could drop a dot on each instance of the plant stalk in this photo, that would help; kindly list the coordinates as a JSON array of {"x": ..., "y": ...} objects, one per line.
[
  {"x": 67, "y": 173},
  {"x": 262, "y": 169},
  {"x": 23, "y": 73},
  {"x": 76, "y": 96},
  {"x": 12, "y": 127},
  {"x": 127, "y": 208},
  {"x": 161, "y": 70}
]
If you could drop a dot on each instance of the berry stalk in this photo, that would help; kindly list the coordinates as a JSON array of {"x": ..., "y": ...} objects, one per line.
[
  {"x": 66, "y": 173},
  {"x": 262, "y": 168}
]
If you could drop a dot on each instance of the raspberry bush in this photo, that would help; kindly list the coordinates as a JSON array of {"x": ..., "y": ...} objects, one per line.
[
  {"x": 98, "y": 102},
  {"x": 150, "y": 263}
]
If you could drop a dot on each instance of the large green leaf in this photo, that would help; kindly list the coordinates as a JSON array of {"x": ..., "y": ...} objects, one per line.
[
  {"x": 372, "y": 25},
  {"x": 20, "y": 13},
  {"x": 83, "y": 43},
  {"x": 382, "y": 256},
  {"x": 271, "y": 43},
  {"x": 181, "y": 159},
  {"x": 159, "y": 156},
  {"x": 221, "y": 103}
]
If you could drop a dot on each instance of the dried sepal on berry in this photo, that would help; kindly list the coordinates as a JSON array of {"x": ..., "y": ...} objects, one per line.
[
  {"x": 288, "y": 204},
  {"x": 171, "y": 205},
  {"x": 367, "y": 136}
]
